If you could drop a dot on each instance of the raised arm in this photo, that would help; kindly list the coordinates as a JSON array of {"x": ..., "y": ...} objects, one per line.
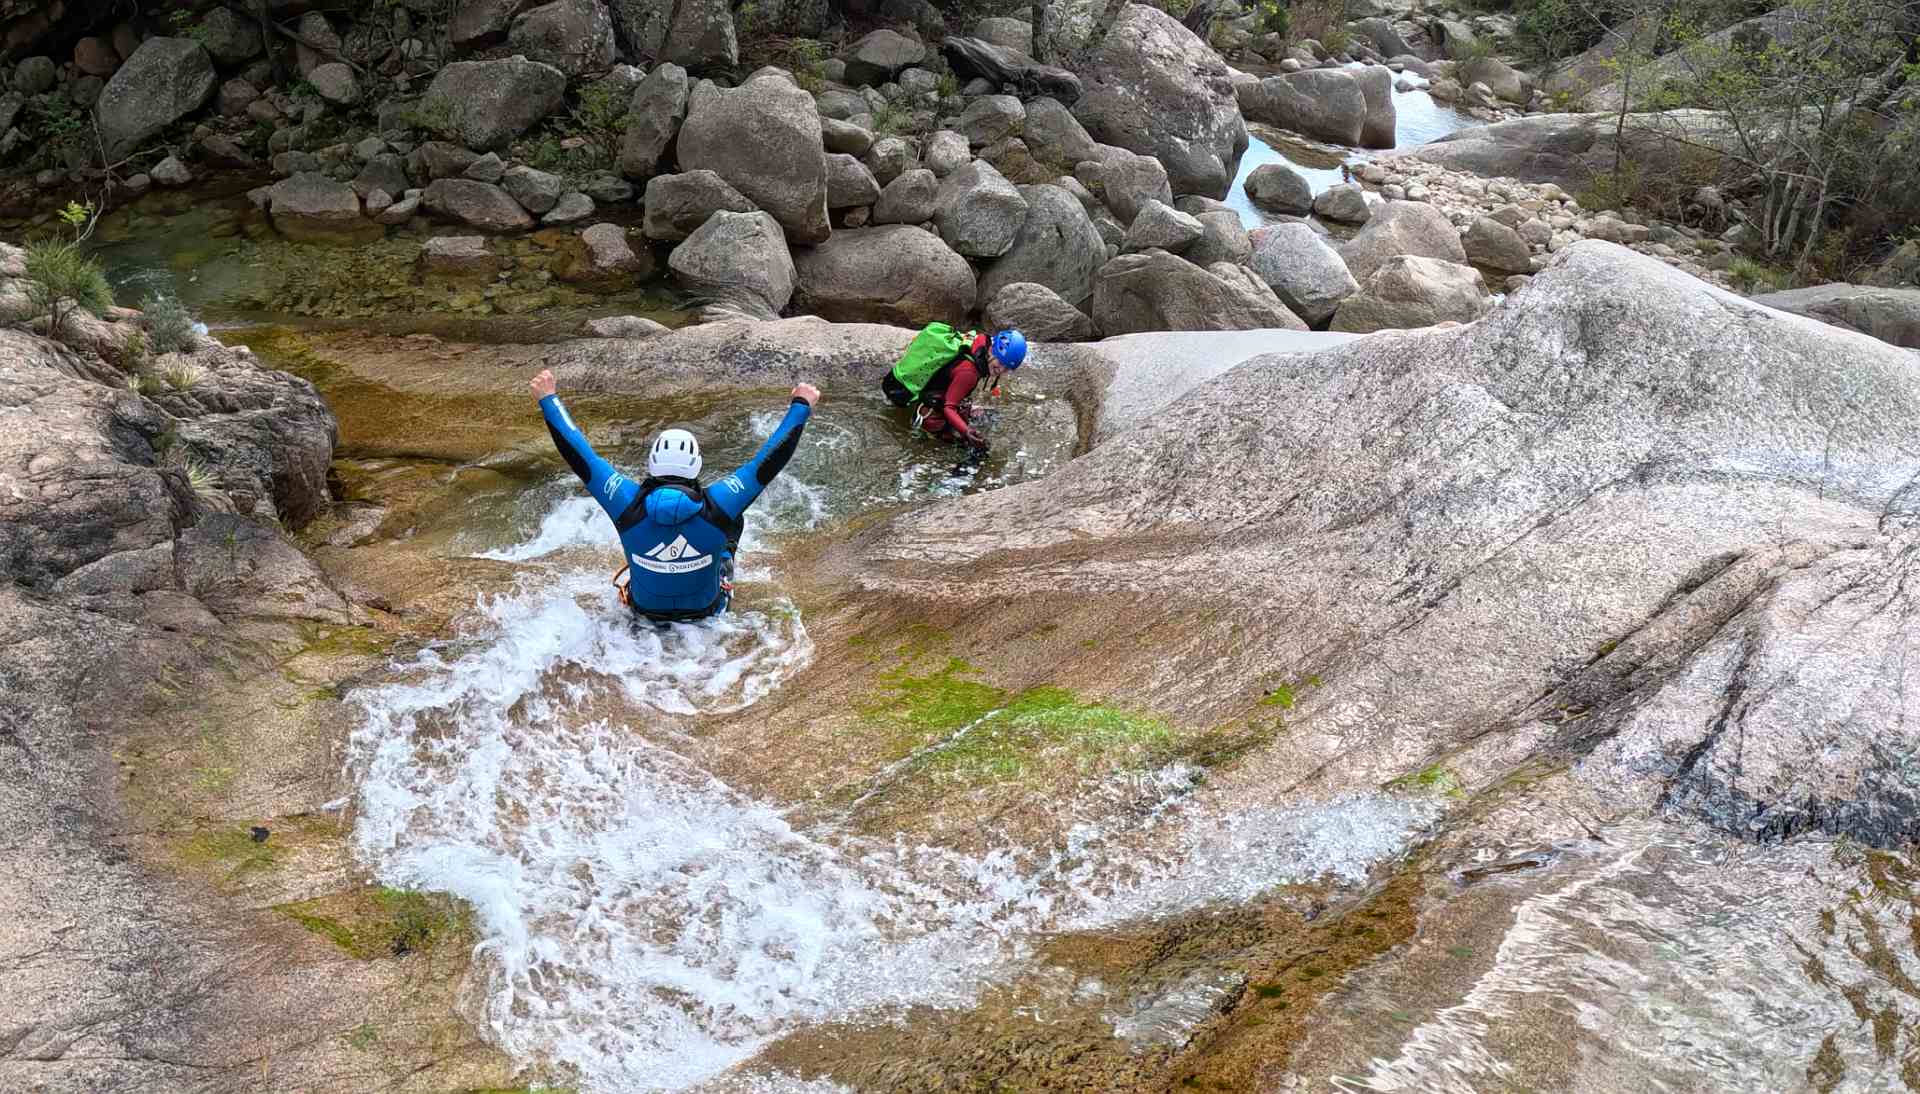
[
  {"x": 737, "y": 491},
  {"x": 613, "y": 490}
]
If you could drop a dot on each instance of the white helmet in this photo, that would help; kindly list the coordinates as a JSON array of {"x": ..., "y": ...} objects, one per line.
[{"x": 676, "y": 454}]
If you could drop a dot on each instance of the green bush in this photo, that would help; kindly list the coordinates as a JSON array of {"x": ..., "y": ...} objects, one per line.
[
  {"x": 1750, "y": 276},
  {"x": 169, "y": 324},
  {"x": 61, "y": 278}
]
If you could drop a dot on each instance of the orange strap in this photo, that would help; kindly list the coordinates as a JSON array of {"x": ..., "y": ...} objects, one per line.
[{"x": 625, "y": 600}]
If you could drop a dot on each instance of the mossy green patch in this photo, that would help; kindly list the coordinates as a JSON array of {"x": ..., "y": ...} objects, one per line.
[
  {"x": 960, "y": 729},
  {"x": 385, "y": 922},
  {"x": 229, "y": 853},
  {"x": 1434, "y": 779},
  {"x": 1281, "y": 696}
]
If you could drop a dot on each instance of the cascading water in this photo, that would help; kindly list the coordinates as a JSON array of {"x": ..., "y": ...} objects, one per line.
[{"x": 647, "y": 927}]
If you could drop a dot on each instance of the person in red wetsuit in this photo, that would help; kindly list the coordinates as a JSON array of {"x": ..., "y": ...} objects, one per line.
[{"x": 945, "y": 410}]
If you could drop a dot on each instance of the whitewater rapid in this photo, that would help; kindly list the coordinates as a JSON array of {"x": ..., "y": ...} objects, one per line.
[{"x": 645, "y": 926}]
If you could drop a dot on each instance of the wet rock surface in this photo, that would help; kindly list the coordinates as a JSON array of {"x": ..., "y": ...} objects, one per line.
[{"x": 1572, "y": 469}]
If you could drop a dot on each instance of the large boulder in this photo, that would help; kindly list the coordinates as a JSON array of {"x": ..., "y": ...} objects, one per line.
[
  {"x": 229, "y": 39},
  {"x": 1010, "y": 69},
  {"x": 1163, "y": 227},
  {"x": 1055, "y": 136},
  {"x": 1402, "y": 228},
  {"x": 1126, "y": 181},
  {"x": 1155, "y": 290},
  {"x": 1627, "y": 523},
  {"x": 537, "y": 191},
  {"x": 474, "y": 24},
  {"x": 1344, "y": 203},
  {"x": 1302, "y": 270},
  {"x": 1057, "y": 246},
  {"x": 1491, "y": 244},
  {"x": 702, "y": 35},
  {"x": 913, "y": 198},
  {"x": 311, "y": 208},
  {"x": 1155, "y": 88},
  {"x": 946, "y": 152},
  {"x": 980, "y": 211},
  {"x": 1223, "y": 238},
  {"x": 890, "y": 157},
  {"x": 878, "y": 57},
  {"x": 574, "y": 36},
  {"x": 1278, "y": 188},
  {"x": 1380, "y": 126},
  {"x": 736, "y": 264},
  {"x": 677, "y": 205},
  {"x": 890, "y": 274},
  {"x": 1409, "y": 291},
  {"x": 1890, "y": 314},
  {"x": 654, "y": 115},
  {"x": 479, "y": 204},
  {"x": 1014, "y": 34},
  {"x": 1570, "y": 150},
  {"x": 764, "y": 139},
  {"x": 1328, "y": 104},
  {"x": 1037, "y": 312},
  {"x": 82, "y": 457},
  {"x": 849, "y": 183},
  {"x": 165, "y": 80},
  {"x": 640, "y": 26},
  {"x": 1510, "y": 84},
  {"x": 492, "y": 102},
  {"x": 990, "y": 118}
]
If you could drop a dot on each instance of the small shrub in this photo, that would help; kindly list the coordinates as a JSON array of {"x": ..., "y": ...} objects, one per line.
[
  {"x": 61, "y": 278},
  {"x": 60, "y": 132},
  {"x": 892, "y": 120},
  {"x": 1750, "y": 276},
  {"x": 948, "y": 87},
  {"x": 134, "y": 349},
  {"x": 182, "y": 375},
  {"x": 146, "y": 383},
  {"x": 1337, "y": 39},
  {"x": 169, "y": 322},
  {"x": 200, "y": 478}
]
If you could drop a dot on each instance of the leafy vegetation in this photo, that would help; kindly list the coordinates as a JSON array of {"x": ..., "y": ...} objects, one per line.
[
  {"x": 169, "y": 324},
  {"x": 1819, "y": 116},
  {"x": 583, "y": 141},
  {"x": 60, "y": 278}
]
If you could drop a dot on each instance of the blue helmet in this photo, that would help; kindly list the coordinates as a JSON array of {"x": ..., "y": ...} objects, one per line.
[{"x": 1010, "y": 346}]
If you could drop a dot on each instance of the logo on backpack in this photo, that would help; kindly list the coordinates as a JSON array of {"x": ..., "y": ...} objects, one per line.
[{"x": 678, "y": 557}]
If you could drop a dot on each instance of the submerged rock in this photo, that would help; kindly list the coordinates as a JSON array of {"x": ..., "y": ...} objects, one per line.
[{"x": 311, "y": 208}]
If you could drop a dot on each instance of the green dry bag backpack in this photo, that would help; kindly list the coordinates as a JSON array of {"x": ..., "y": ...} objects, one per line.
[{"x": 930, "y": 351}]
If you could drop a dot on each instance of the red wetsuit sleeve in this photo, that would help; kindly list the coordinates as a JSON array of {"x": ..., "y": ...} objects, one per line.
[{"x": 966, "y": 374}]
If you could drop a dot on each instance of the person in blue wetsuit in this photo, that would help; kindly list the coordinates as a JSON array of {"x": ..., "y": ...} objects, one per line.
[{"x": 679, "y": 536}]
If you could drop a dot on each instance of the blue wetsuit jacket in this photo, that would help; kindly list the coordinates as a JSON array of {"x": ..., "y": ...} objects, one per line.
[{"x": 679, "y": 538}]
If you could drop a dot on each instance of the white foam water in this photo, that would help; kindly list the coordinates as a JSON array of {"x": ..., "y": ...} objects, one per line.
[
  {"x": 647, "y": 927},
  {"x": 576, "y": 521}
]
